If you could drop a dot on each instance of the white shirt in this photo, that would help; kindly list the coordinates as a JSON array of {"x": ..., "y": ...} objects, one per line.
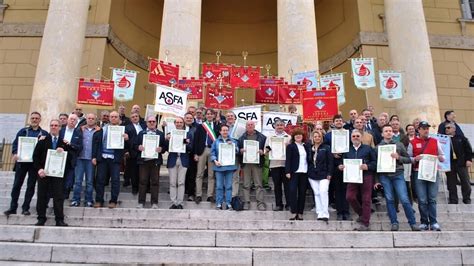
[
  {"x": 303, "y": 166},
  {"x": 68, "y": 134},
  {"x": 138, "y": 128}
]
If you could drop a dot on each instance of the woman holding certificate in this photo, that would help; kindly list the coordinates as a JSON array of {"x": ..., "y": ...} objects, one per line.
[
  {"x": 320, "y": 171},
  {"x": 223, "y": 153},
  {"x": 298, "y": 156}
]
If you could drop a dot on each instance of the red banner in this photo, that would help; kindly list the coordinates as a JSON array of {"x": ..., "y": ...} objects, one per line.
[
  {"x": 162, "y": 73},
  {"x": 289, "y": 129},
  {"x": 245, "y": 77},
  {"x": 219, "y": 98},
  {"x": 96, "y": 92},
  {"x": 268, "y": 91},
  {"x": 319, "y": 105},
  {"x": 212, "y": 73},
  {"x": 192, "y": 86},
  {"x": 290, "y": 93}
]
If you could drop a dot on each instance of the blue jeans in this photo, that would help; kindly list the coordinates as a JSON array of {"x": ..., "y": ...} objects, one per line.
[
  {"x": 392, "y": 185},
  {"x": 427, "y": 192},
  {"x": 68, "y": 181},
  {"x": 103, "y": 168},
  {"x": 224, "y": 179},
  {"x": 83, "y": 166}
]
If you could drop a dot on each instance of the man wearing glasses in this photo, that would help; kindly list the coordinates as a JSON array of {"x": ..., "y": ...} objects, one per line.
[
  {"x": 461, "y": 152},
  {"x": 23, "y": 168}
]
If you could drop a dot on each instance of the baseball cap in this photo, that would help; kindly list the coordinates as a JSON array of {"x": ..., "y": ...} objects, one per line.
[{"x": 424, "y": 124}]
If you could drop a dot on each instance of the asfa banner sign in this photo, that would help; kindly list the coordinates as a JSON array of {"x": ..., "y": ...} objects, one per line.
[
  {"x": 96, "y": 92},
  {"x": 192, "y": 86},
  {"x": 391, "y": 85},
  {"x": 250, "y": 113},
  {"x": 170, "y": 100},
  {"x": 319, "y": 105},
  {"x": 269, "y": 119},
  {"x": 124, "y": 84},
  {"x": 245, "y": 77},
  {"x": 363, "y": 71},
  {"x": 309, "y": 78},
  {"x": 334, "y": 82},
  {"x": 162, "y": 73}
]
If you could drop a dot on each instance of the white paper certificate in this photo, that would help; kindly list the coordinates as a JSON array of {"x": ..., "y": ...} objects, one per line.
[
  {"x": 251, "y": 155},
  {"x": 26, "y": 146},
  {"x": 177, "y": 141},
  {"x": 150, "y": 143},
  {"x": 385, "y": 162},
  {"x": 278, "y": 148},
  {"x": 239, "y": 128},
  {"x": 115, "y": 137},
  {"x": 226, "y": 154},
  {"x": 55, "y": 163},
  {"x": 428, "y": 168},
  {"x": 407, "y": 171},
  {"x": 340, "y": 141},
  {"x": 169, "y": 124},
  {"x": 352, "y": 171}
]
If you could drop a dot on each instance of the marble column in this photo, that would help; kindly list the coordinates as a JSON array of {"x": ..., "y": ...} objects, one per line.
[
  {"x": 297, "y": 39},
  {"x": 181, "y": 34},
  {"x": 59, "y": 63},
  {"x": 410, "y": 52}
]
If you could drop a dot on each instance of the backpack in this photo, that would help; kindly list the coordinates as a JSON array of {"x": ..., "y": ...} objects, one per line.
[{"x": 237, "y": 203}]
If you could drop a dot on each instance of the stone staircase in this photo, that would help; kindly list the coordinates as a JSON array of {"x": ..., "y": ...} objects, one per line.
[{"x": 200, "y": 234}]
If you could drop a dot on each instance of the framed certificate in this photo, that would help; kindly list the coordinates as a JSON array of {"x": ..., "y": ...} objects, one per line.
[
  {"x": 177, "y": 141},
  {"x": 26, "y": 146},
  {"x": 278, "y": 148},
  {"x": 150, "y": 143},
  {"x": 340, "y": 141},
  {"x": 251, "y": 155},
  {"x": 239, "y": 128},
  {"x": 115, "y": 137},
  {"x": 385, "y": 162},
  {"x": 226, "y": 154},
  {"x": 352, "y": 171},
  {"x": 169, "y": 124},
  {"x": 55, "y": 163},
  {"x": 407, "y": 171},
  {"x": 428, "y": 168}
]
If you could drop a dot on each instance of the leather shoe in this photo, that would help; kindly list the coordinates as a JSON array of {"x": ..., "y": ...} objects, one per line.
[
  {"x": 26, "y": 213},
  {"x": 40, "y": 222},
  {"x": 61, "y": 223},
  {"x": 198, "y": 199},
  {"x": 278, "y": 208},
  {"x": 294, "y": 218},
  {"x": 211, "y": 199},
  {"x": 9, "y": 212}
]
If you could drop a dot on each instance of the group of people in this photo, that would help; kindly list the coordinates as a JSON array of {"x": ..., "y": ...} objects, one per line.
[{"x": 309, "y": 162}]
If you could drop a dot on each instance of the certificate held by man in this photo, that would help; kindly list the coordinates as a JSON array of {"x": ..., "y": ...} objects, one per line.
[
  {"x": 55, "y": 163},
  {"x": 226, "y": 154},
  {"x": 385, "y": 162},
  {"x": 278, "y": 148},
  {"x": 239, "y": 128},
  {"x": 177, "y": 141},
  {"x": 150, "y": 143},
  {"x": 251, "y": 152},
  {"x": 428, "y": 167},
  {"x": 340, "y": 141},
  {"x": 26, "y": 146},
  {"x": 115, "y": 138},
  {"x": 352, "y": 171}
]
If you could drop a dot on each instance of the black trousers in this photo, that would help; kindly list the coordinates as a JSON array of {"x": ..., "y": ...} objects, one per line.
[
  {"x": 131, "y": 173},
  {"x": 342, "y": 206},
  {"x": 50, "y": 186},
  {"x": 190, "y": 181},
  {"x": 452, "y": 181},
  {"x": 279, "y": 180},
  {"x": 298, "y": 185},
  {"x": 21, "y": 169}
]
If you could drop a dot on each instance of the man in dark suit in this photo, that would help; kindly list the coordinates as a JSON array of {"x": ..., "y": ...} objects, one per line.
[
  {"x": 107, "y": 161},
  {"x": 48, "y": 185},
  {"x": 206, "y": 133},
  {"x": 130, "y": 175},
  {"x": 72, "y": 139}
]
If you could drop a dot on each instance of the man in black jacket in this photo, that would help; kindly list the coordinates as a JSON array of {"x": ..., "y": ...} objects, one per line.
[
  {"x": 48, "y": 185},
  {"x": 130, "y": 175},
  {"x": 461, "y": 159},
  {"x": 72, "y": 139}
]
